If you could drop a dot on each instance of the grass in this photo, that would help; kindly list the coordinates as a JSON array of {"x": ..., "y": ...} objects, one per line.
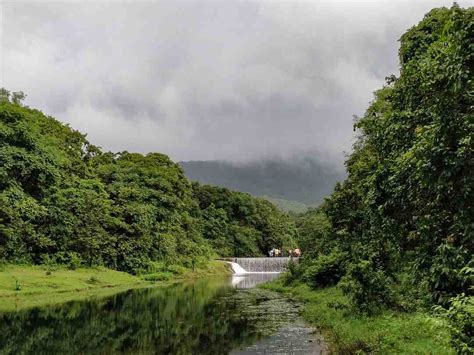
[
  {"x": 164, "y": 272},
  {"x": 29, "y": 286},
  {"x": 23, "y": 286},
  {"x": 348, "y": 332}
]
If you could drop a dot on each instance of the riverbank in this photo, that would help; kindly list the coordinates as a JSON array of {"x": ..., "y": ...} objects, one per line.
[
  {"x": 349, "y": 333},
  {"x": 24, "y": 286}
]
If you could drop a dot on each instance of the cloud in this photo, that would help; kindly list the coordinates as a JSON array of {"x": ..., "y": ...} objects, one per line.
[{"x": 206, "y": 80}]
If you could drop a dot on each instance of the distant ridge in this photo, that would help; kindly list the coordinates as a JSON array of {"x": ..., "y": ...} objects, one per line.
[
  {"x": 288, "y": 205},
  {"x": 304, "y": 180}
]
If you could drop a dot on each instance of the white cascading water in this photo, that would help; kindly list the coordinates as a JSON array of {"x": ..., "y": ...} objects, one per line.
[
  {"x": 242, "y": 266},
  {"x": 237, "y": 269}
]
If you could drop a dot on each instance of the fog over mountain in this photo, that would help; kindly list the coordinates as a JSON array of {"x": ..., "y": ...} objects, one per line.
[
  {"x": 305, "y": 180},
  {"x": 228, "y": 80}
]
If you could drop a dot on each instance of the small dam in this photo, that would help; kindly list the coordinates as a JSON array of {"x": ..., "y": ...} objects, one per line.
[{"x": 259, "y": 265}]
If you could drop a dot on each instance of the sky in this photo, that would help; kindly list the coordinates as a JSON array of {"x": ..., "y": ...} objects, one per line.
[{"x": 201, "y": 80}]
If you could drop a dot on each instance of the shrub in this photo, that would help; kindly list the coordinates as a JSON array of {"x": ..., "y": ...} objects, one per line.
[
  {"x": 411, "y": 293},
  {"x": 326, "y": 270},
  {"x": 176, "y": 269},
  {"x": 75, "y": 261},
  {"x": 368, "y": 287},
  {"x": 451, "y": 273},
  {"x": 293, "y": 273},
  {"x": 70, "y": 258},
  {"x": 158, "y": 276},
  {"x": 461, "y": 318},
  {"x": 48, "y": 262}
]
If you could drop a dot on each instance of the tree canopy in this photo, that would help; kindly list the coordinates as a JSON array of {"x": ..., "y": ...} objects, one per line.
[
  {"x": 64, "y": 200},
  {"x": 398, "y": 232}
]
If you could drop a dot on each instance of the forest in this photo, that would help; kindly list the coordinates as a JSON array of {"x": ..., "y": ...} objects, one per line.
[
  {"x": 65, "y": 201},
  {"x": 398, "y": 232}
]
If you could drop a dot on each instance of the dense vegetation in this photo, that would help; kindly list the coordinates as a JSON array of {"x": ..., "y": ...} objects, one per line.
[
  {"x": 398, "y": 232},
  {"x": 63, "y": 200},
  {"x": 236, "y": 223},
  {"x": 302, "y": 179}
]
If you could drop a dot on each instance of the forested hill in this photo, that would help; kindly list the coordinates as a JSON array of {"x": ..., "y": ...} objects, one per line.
[
  {"x": 65, "y": 201},
  {"x": 304, "y": 180}
]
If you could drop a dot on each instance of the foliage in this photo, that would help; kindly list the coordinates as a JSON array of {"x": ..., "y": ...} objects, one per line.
[
  {"x": 403, "y": 217},
  {"x": 313, "y": 233},
  {"x": 64, "y": 201},
  {"x": 288, "y": 205},
  {"x": 237, "y": 224},
  {"x": 293, "y": 272},
  {"x": 368, "y": 287},
  {"x": 461, "y": 318},
  {"x": 326, "y": 269},
  {"x": 407, "y": 201}
]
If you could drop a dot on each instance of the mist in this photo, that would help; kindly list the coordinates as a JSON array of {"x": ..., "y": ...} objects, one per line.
[{"x": 237, "y": 81}]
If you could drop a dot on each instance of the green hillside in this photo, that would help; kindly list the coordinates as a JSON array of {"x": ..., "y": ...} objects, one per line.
[
  {"x": 287, "y": 205},
  {"x": 65, "y": 201},
  {"x": 304, "y": 179}
]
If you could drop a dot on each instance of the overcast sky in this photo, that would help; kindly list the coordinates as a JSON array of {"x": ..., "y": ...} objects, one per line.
[{"x": 206, "y": 80}]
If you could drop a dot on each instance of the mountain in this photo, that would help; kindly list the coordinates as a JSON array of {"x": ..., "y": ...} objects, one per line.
[
  {"x": 303, "y": 180},
  {"x": 289, "y": 206}
]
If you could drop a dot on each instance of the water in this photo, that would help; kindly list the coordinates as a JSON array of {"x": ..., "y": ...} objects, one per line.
[
  {"x": 209, "y": 316},
  {"x": 252, "y": 280},
  {"x": 264, "y": 264},
  {"x": 237, "y": 269}
]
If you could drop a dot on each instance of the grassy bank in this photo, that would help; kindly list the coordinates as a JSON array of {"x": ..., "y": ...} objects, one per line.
[
  {"x": 31, "y": 286},
  {"x": 349, "y": 333}
]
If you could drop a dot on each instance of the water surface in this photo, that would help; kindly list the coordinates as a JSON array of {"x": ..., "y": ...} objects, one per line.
[{"x": 210, "y": 316}]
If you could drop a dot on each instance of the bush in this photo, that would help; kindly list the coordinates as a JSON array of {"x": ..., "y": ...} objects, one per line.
[
  {"x": 461, "y": 319},
  {"x": 158, "y": 276},
  {"x": 69, "y": 258},
  {"x": 411, "y": 293},
  {"x": 48, "y": 262},
  {"x": 75, "y": 261},
  {"x": 176, "y": 269},
  {"x": 326, "y": 270},
  {"x": 451, "y": 273},
  {"x": 368, "y": 287},
  {"x": 156, "y": 269},
  {"x": 293, "y": 272}
]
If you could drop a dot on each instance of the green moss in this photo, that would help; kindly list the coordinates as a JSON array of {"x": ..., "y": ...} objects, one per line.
[{"x": 349, "y": 332}]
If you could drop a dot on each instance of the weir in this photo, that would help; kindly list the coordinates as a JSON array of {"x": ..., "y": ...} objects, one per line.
[{"x": 259, "y": 265}]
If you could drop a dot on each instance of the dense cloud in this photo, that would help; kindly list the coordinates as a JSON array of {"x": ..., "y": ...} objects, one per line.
[{"x": 206, "y": 80}]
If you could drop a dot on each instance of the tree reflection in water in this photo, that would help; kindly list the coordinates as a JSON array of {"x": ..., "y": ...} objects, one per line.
[{"x": 201, "y": 317}]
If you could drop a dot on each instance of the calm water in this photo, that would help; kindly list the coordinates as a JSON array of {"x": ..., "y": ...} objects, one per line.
[{"x": 215, "y": 316}]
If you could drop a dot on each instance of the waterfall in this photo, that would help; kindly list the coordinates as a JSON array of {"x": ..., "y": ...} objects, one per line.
[
  {"x": 237, "y": 269},
  {"x": 242, "y": 266}
]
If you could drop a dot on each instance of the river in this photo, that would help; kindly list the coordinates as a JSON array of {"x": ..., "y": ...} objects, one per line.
[{"x": 207, "y": 316}]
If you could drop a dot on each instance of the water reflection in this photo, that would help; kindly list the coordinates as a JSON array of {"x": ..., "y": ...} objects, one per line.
[
  {"x": 252, "y": 280},
  {"x": 202, "y": 317}
]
